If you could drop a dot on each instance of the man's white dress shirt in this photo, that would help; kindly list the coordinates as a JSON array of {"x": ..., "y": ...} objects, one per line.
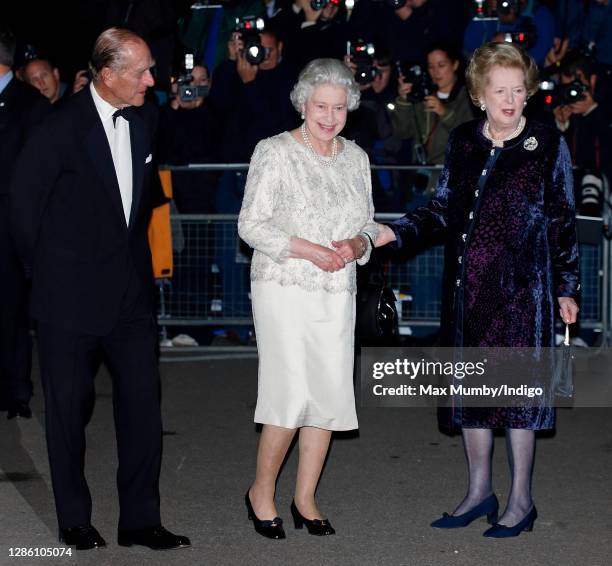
[{"x": 118, "y": 136}]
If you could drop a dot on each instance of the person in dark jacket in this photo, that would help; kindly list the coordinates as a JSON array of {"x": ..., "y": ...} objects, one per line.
[
  {"x": 505, "y": 205},
  {"x": 188, "y": 133},
  {"x": 22, "y": 108},
  {"x": 429, "y": 122}
]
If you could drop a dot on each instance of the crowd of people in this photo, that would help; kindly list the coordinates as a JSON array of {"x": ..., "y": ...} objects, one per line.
[
  {"x": 81, "y": 181},
  {"x": 387, "y": 42}
]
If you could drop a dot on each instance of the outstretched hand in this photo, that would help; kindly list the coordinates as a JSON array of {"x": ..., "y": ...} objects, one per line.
[
  {"x": 385, "y": 235},
  {"x": 349, "y": 249}
]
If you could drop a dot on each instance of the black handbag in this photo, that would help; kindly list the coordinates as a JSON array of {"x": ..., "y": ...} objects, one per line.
[
  {"x": 376, "y": 315},
  {"x": 563, "y": 371}
]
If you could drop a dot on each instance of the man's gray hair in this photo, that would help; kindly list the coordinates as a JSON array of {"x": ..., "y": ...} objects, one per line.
[
  {"x": 325, "y": 71},
  {"x": 110, "y": 50},
  {"x": 7, "y": 47}
]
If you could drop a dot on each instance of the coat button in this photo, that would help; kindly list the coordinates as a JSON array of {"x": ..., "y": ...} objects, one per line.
[
  {"x": 464, "y": 236},
  {"x": 476, "y": 193},
  {"x": 460, "y": 259},
  {"x": 484, "y": 171},
  {"x": 458, "y": 282},
  {"x": 471, "y": 214}
]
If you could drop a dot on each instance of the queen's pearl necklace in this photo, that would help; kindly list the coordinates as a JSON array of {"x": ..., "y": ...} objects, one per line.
[{"x": 325, "y": 162}]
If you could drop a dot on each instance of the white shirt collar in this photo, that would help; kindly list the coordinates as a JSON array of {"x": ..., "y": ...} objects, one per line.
[{"x": 105, "y": 110}]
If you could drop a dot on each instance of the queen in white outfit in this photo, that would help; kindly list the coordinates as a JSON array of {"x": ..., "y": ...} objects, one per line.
[{"x": 307, "y": 211}]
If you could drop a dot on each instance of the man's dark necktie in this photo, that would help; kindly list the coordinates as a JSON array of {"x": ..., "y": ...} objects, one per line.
[{"x": 123, "y": 112}]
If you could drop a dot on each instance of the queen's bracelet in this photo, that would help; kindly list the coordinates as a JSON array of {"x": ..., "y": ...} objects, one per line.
[{"x": 364, "y": 246}]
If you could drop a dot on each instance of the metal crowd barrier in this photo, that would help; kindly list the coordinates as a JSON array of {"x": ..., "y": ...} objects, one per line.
[{"x": 210, "y": 286}]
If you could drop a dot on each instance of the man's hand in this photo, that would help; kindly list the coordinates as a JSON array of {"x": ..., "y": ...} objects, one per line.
[
  {"x": 81, "y": 80},
  {"x": 562, "y": 114},
  {"x": 434, "y": 104},
  {"x": 568, "y": 309},
  {"x": 234, "y": 46},
  {"x": 246, "y": 71},
  {"x": 556, "y": 52},
  {"x": 310, "y": 15},
  {"x": 403, "y": 88}
]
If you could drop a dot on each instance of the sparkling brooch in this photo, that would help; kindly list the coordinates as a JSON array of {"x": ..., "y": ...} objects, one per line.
[{"x": 530, "y": 144}]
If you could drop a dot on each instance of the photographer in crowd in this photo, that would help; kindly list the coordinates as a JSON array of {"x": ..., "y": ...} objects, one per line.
[
  {"x": 586, "y": 25},
  {"x": 22, "y": 108},
  {"x": 252, "y": 101},
  {"x": 430, "y": 105},
  {"x": 584, "y": 123},
  {"x": 309, "y": 33},
  {"x": 408, "y": 27},
  {"x": 526, "y": 22},
  {"x": 370, "y": 124},
  {"x": 188, "y": 133}
]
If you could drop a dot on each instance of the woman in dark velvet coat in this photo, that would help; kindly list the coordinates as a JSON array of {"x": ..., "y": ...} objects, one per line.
[{"x": 505, "y": 205}]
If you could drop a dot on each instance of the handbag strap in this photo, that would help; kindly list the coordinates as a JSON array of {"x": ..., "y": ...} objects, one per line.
[{"x": 377, "y": 261}]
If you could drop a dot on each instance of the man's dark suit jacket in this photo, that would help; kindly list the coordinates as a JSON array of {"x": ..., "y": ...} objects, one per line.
[
  {"x": 21, "y": 108},
  {"x": 68, "y": 219}
]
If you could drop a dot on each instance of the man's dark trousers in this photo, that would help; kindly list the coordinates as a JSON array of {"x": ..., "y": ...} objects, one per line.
[{"x": 68, "y": 361}]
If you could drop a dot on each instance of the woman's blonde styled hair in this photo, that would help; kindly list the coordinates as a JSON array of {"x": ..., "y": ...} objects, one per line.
[{"x": 505, "y": 55}]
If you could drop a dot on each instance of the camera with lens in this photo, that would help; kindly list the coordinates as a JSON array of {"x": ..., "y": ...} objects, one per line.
[
  {"x": 562, "y": 95},
  {"x": 186, "y": 92},
  {"x": 418, "y": 77},
  {"x": 320, "y": 4},
  {"x": 362, "y": 55},
  {"x": 526, "y": 39},
  {"x": 249, "y": 28},
  {"x": 504, "y": 8}
]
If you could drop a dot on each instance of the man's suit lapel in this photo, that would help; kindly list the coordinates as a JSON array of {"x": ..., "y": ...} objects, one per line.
[
  {"x": 99, "y": 151},
  {"x": 137, "y": 141}
]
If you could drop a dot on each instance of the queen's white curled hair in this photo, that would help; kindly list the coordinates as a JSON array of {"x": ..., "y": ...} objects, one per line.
[{"x": 325, "y": 71}]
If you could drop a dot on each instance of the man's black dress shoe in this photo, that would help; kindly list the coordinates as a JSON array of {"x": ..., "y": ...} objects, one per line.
[
  {"x": 83, "y": 538},
  {"x": 19, "y": 409},
  {"x": 156, "y": 538}
]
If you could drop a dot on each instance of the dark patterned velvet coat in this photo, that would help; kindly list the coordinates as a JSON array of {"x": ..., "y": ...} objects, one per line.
[{"x": 508, "y": 218}]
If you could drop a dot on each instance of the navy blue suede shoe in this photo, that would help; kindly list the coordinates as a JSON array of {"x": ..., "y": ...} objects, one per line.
[
  {"x": 501, "y": 531},
  {"x": 488, "y": 507}
]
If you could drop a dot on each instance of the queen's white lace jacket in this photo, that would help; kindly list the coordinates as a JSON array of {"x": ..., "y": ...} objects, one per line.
[{"x": 290, "y": 193}]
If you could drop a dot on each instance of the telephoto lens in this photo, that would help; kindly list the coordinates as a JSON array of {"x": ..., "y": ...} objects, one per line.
[{"x": 318, "y": 4}]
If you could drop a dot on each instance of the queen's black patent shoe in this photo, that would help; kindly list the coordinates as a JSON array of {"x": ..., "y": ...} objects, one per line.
[
  {"x": 501, "y": 531},
  {"x": 269, "y": 529},
  {"x": 319, "y": 527},
  {"x": 488, "y": 507}
]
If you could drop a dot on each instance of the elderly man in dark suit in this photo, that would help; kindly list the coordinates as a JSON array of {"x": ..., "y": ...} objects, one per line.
[
  {"x": 21, "y": 109},
  {"x": 82, "y": 196}
]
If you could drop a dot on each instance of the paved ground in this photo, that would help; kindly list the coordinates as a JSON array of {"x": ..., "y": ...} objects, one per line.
[{"x": 381, "y": 488}]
